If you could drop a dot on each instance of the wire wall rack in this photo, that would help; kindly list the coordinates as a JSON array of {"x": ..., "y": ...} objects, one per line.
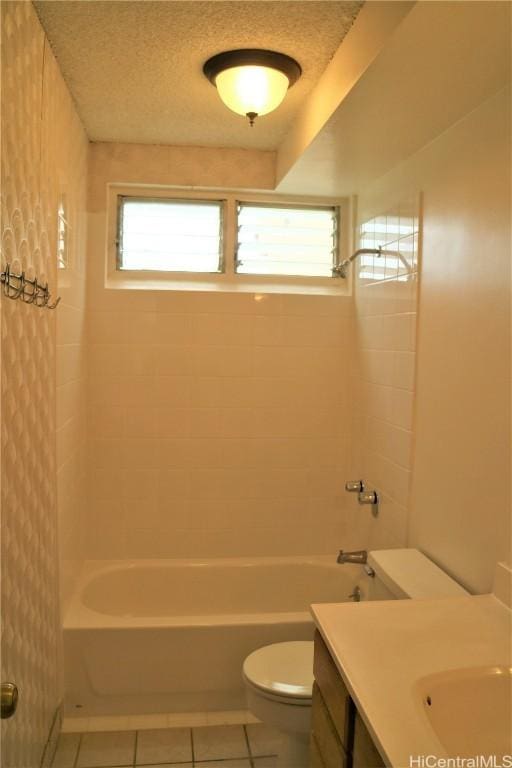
[{"x": 28, "y": 290}]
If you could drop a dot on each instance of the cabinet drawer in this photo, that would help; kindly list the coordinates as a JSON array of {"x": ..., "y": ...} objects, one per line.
[
  {"x": 334, "y": 692},
  {"x": 365, "y": 752},
  {"x": 324, "y": 734}
]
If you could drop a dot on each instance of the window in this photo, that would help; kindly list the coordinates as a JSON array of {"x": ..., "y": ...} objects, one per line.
[
  {"x": 286, "y": 240},
  {"x": 169, "y": 235},
  {"x": 197, "y": 237}
]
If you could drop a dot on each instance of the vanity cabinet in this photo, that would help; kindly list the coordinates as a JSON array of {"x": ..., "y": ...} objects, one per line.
[{"x": 339, "y": 737}]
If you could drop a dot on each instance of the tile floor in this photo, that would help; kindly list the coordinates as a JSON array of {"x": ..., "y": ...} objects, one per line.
[{"x": 225, "y": 746}]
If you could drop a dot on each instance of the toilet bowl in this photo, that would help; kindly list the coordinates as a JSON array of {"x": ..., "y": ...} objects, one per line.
[
  {"x": 279, "y": 678},
  {"x": 279, "y": 684}
]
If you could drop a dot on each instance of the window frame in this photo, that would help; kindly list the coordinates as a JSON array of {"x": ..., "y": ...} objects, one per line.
[
  {"x": 229, "y": 279},
  {"x": 175, "y": 199},
  {"x": 290, "y": 206}
]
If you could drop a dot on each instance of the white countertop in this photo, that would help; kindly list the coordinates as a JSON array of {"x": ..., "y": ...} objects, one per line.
[{"x": 381, "y": 648}]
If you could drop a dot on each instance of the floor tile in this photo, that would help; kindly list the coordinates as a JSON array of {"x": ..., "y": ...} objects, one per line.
[
  {"x": 65, "y": 753},
  {"x": 219, "y": 743},
  {"x": 172, "y": 745},
  {"x": 263, "y": 739},
  {"x": 101, "y": 750},
  {"x": 223, "y": 764},
  {"x": 265, "y": 762}
]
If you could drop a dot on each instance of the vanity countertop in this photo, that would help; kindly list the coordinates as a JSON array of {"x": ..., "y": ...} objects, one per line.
[{"x": 382, "y": 648}]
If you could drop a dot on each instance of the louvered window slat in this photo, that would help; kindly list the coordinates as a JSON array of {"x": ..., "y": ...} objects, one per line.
[
  {"x": 170, "y": 235},
  {"x": 286, "y": 240}
]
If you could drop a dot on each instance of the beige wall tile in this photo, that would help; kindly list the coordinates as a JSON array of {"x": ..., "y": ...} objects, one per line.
[
  {"x": 382, "y": 380},
  {"x": 44, "y": 156}
]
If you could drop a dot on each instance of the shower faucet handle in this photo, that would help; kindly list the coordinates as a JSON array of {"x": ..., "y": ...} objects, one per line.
[
  {"x": 370, "y": 497},
  {"x": 354, "y": 486}
]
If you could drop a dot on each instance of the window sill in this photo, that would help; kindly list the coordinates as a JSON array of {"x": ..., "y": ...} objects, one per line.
[{"x": 154, "y": 281}]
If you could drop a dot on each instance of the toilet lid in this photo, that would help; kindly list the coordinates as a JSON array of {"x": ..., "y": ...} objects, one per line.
[{"x": 283, "y": 668}]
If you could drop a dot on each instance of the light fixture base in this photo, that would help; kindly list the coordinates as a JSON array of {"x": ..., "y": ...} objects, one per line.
[{"x": 252, "y": 57}]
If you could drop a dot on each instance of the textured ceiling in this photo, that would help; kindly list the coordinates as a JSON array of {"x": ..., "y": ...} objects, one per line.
[{"x": 135, "y": 68}]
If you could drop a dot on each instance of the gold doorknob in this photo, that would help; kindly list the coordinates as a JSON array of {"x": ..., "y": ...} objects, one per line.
[{"x": 8, "y": 700}]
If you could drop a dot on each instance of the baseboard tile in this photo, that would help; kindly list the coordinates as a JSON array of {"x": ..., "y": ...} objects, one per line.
[
  {"x": 53, "y": 738},
  {"x": 149, "y": 722}
]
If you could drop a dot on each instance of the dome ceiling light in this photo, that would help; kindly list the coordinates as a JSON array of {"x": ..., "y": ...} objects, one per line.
[{"x": 250, "y": 81}]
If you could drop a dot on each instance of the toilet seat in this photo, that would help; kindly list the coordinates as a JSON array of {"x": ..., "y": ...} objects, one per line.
[{"x": 282, "y": 672}]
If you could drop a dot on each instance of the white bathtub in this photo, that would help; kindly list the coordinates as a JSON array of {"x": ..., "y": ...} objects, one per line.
[{"x": 154, "y": 636}]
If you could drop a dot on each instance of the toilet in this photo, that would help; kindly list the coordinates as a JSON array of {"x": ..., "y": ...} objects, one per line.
[{"x": 279, "y": 678}]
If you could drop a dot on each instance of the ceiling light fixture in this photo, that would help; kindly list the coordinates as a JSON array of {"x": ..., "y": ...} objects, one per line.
[{"x": 250, "y": 81}]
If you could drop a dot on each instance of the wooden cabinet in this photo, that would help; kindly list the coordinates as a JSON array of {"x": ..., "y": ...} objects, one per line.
[
  {"x": 365, "y": 754},
  {"x": 324, "y": 735},
  {"x": 339, "y": 737}
]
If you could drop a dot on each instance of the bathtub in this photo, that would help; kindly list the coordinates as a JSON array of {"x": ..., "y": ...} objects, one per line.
[{"x": 161, "y": 636}]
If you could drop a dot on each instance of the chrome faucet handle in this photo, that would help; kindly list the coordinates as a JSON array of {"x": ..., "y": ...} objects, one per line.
[
  {"x": 354, "y": 486},
  {"x": 369, "y": 497}
]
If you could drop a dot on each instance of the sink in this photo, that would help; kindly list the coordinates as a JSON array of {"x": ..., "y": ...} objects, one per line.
[{"x": 469, "y": 710}]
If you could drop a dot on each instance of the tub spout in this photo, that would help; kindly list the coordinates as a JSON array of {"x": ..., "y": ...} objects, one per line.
[{"x": 359, "y": 556}]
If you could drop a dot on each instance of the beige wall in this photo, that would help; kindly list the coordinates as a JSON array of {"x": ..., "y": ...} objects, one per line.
[
  {"x": 460, "y": 503},
  {"x": 218, "y": 421},
  {"x": 182, "y": 166},
  {"x": 43, "y": 156}
]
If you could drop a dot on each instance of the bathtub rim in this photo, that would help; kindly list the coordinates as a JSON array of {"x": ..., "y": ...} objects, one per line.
[{"x": 78, "y": 616}]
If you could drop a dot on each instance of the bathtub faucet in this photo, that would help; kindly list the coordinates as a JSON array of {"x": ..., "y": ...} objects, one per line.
[{"x": 359, "y": 556}]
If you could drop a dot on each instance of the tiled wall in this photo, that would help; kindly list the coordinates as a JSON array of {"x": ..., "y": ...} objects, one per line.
[
  {"x": 383, "y": 372},
  {"x": 71, "y": 350},
  {"x": 218, "y": 421},
  {"x": 37, "y": 135},
  {"x": 217, "y": 425}
]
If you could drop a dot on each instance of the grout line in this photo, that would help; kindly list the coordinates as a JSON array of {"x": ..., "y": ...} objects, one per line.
[
  {"x": 173, "y": 762},
  {"x": 192, "y": 746},
  {"x": 219, "y": 760},
  {"x": 118, "y": 765},
  {"x": 251, "y": 761},
  {"x": 135, "y": 748},
  {"x": 75, "y": 762}
]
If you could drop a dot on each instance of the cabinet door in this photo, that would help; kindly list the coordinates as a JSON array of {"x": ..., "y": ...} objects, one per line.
[
  {"x": 315, "y": 756},
  {"x": 334, "y": 692},
  {"x": 325, "y": 735},
  {"x": 365, "y": 753}
]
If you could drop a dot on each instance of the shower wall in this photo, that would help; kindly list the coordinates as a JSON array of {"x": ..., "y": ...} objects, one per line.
[
  {"x": 43, "y": 158},
  {"x": 383, "y": 374},
  {"x": 218, "y": 421}
]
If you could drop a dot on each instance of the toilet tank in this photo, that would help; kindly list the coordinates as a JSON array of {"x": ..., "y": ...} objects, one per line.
[{"x": 406, "y": 573}]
